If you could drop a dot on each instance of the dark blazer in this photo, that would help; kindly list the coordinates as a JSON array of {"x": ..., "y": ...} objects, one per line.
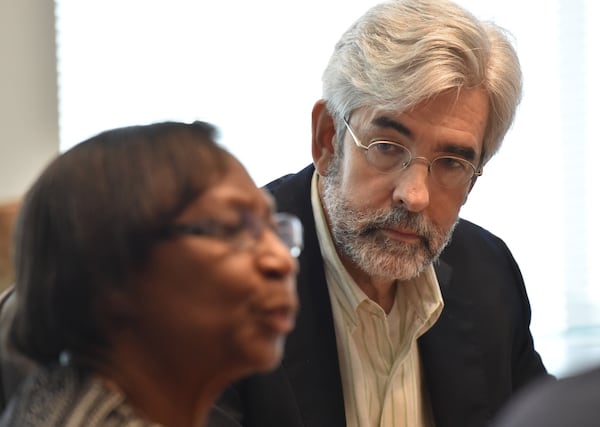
[{"x": 474, "y": 358}]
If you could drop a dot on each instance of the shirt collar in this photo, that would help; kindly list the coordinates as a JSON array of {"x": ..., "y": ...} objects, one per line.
[{"x": 423, "y": 291}]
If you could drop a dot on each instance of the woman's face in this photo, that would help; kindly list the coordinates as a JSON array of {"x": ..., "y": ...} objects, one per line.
[{"x": 213, "y": 302}]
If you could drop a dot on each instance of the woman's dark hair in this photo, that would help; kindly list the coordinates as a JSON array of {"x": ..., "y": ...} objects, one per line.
[{"x": 91, "y": 219}]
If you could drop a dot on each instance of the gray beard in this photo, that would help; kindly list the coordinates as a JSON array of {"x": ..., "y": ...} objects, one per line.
[{"x": 357, "y": 234}]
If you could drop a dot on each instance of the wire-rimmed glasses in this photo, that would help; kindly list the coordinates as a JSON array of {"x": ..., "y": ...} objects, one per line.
[{"x": 450, "y": 172}]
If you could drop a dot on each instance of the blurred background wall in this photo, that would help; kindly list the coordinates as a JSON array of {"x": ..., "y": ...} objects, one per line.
[
  {"x": 28, "y": 93},
  {"x": 28, "y": 106}
]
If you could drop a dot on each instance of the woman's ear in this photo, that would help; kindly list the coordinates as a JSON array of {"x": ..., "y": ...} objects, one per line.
[{"x": 323, "y": 137}]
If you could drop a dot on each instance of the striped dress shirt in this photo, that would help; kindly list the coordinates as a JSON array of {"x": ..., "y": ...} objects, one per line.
[{"x": 378, "y": 353}]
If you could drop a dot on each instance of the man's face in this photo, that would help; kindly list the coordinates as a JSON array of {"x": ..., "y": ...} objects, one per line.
[{"x": 392, "y": 225}]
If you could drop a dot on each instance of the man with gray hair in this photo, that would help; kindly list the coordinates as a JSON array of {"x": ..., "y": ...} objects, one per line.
[{"x": 410, "y": 316}]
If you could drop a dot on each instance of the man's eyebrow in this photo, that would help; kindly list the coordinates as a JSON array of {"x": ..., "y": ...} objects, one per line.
[
  {"x": 387, "y": 122},
  {"x": 384, "y": 122},
  {"x": 466, "y": 153}
]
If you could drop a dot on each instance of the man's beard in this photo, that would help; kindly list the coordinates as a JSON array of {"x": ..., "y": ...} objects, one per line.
[{"x": 358, "y": 235}]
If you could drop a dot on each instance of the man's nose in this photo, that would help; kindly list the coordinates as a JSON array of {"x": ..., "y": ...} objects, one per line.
[{"x": 411, "y": 188}]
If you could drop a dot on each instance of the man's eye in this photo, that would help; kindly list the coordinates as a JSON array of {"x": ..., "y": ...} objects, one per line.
[
  {"x": 387, "y": 148},
  {"x": 450, "y": 163}
]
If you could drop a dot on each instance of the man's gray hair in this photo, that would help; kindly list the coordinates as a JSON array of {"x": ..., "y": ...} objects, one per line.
[{"x": 402, "y": 52}]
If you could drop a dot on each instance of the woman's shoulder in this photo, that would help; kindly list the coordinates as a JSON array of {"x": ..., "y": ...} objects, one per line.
[{"x": 58, "y": 396}]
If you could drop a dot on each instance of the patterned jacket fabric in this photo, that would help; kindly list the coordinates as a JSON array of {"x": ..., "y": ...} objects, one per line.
[{"x": 65, "y": 397}]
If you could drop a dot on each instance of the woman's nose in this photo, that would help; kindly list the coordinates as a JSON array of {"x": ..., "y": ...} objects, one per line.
[{"x": 275, "y": 255}]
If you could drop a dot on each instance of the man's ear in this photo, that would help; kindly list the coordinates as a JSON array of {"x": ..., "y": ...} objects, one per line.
[{"x": 323, "y": 137}]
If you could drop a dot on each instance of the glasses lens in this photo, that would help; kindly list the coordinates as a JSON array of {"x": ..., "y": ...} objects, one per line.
[
  {"x": 245, "y": 233},
  {"x": 451, "y": 172},
  {"x": 289, "y": 230},
  {"x": 387, "y": 156}
]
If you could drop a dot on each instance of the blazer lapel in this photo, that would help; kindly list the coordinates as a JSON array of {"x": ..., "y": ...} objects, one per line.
[
  {"x": 452, "y": 356},
  {"x": 310, "y": 360}
]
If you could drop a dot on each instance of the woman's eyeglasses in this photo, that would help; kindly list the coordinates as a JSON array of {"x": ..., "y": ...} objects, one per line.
[{"x": 247, "y": 231}]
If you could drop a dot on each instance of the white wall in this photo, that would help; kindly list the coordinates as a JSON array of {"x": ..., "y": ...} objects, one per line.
[{"x": 28, "y": 93}]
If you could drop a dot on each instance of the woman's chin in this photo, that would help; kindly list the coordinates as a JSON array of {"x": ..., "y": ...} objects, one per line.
[{"x": 269, "y": 357}]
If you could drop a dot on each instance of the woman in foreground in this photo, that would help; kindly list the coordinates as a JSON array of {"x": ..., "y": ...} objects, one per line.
[{"x": 150, "y": 273}]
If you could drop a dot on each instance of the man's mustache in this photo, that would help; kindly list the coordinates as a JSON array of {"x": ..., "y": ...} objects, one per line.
[{"x": 399, "y": 218}]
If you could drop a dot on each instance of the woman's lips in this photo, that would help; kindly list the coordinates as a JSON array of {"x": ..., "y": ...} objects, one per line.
[{"x": 280, "y": 320}]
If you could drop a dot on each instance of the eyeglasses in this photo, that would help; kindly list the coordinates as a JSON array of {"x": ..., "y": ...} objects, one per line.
[
  {"x": 247, "y": 231},
  {"x": 450, "y": 172}
]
